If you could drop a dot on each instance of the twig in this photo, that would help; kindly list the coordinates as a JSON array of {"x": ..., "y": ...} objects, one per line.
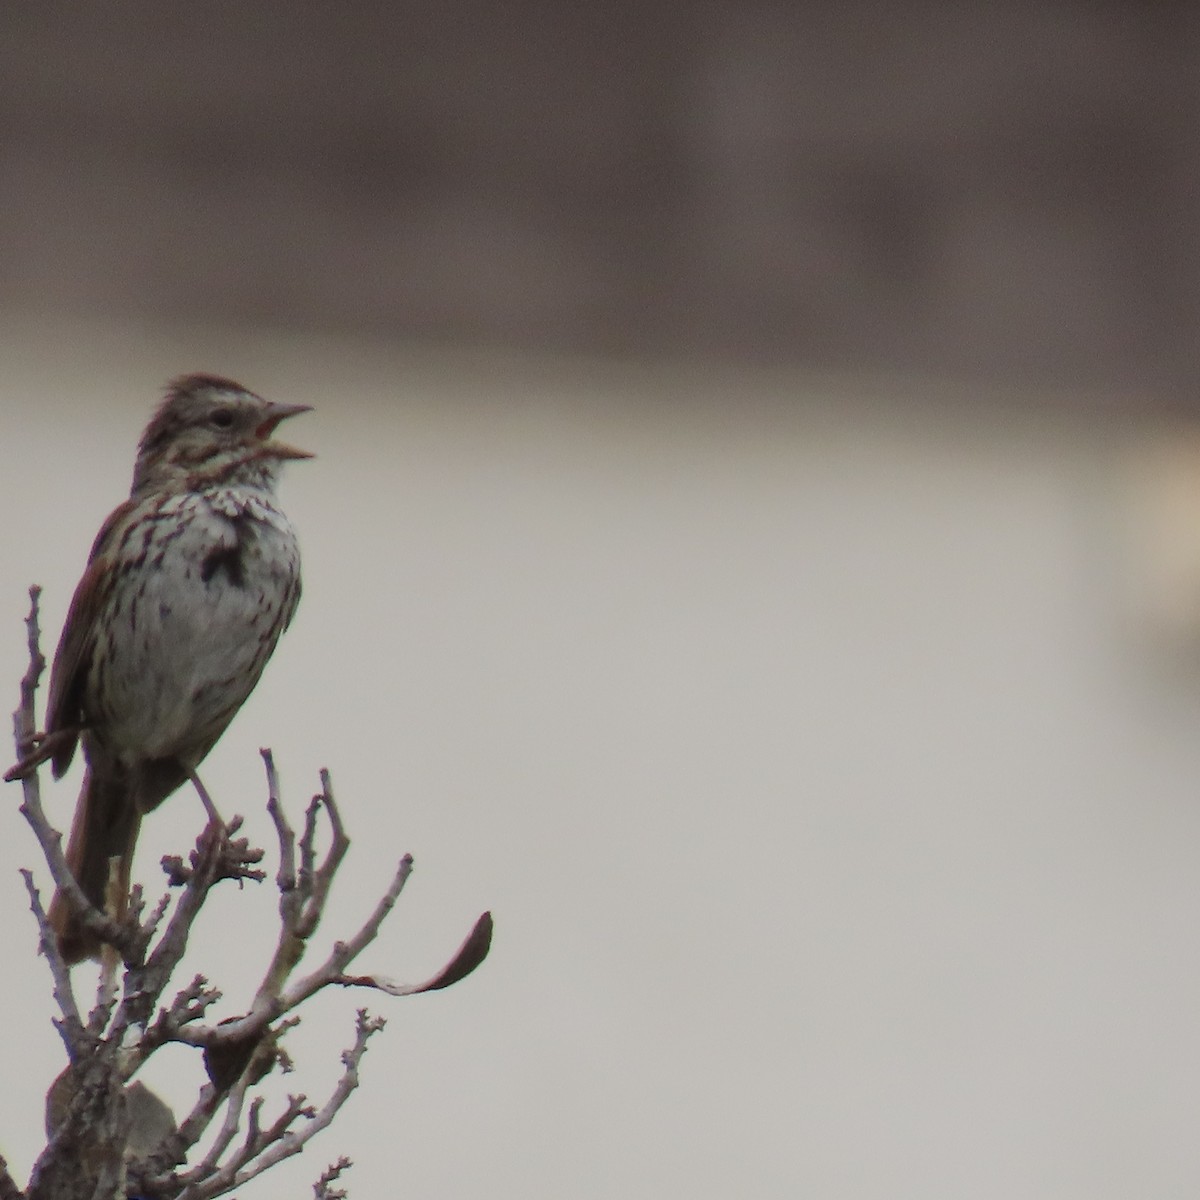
[
  {"x": 25, "y": 718},
  {"x": 285, "y": 880},
  {"x": 340, "y": 843},
  {"x": 323, "y": 1189},
  {"x": 189, "y": 1005},
  {"x": 64, "y": 994}
]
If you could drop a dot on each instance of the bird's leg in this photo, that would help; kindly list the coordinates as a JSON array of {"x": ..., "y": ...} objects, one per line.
[{"x": 205, "y": 799}]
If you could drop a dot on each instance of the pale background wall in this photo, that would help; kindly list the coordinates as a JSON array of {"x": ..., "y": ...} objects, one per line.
[
  {"x": 834, "y": 793},
  {"x": 748, "y": 550}
]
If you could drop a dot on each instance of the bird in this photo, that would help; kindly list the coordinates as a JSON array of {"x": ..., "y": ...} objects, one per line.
[{"x": 189, "y": 585}]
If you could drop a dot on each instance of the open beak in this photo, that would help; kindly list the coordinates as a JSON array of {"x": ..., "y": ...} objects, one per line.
[{"x": 275, "y": 414}]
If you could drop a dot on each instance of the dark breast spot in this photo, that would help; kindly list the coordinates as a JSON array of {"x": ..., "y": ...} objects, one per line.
[{"x": 227, "y": 559}]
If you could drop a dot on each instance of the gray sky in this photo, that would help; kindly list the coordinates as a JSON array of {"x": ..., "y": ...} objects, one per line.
[{"x": 833, "y": 790}]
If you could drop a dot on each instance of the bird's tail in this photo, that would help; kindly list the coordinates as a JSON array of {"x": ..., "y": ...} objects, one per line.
[{"x": 100, "y": 855}]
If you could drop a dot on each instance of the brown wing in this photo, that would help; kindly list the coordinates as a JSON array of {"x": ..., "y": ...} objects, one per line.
[{"x": 72, "y": 659}]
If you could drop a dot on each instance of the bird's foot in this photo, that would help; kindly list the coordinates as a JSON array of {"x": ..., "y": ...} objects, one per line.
[{"x": 214, "y": 817}]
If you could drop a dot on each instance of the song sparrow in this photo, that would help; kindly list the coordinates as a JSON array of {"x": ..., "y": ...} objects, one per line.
[{"x": 189, "y": 584}]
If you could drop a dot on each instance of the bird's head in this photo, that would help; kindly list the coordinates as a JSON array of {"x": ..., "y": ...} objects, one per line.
[{"x": 210, "y": 431}]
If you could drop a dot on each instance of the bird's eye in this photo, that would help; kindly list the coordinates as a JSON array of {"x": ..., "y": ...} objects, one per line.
[{"x": 222, "y": 418}]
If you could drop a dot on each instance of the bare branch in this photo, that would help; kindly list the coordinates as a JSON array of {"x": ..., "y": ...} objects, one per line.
[
  {"x": 50, "y": 840},
  {"x": 207, "y": 1167},
  {"x": 110, "y": 1137},
  {"x": 194, "y": 1125},
  {"x": 344, "y": 953},
  {"x": 115, "y": 933},
  {"x": 279, "y": 1142},
  {"x": 150, "y": 926},
  {"x": 10, "y": 1191}
]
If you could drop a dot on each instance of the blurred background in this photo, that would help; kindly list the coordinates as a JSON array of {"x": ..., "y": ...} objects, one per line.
[{"x": 753, "y": 548}]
